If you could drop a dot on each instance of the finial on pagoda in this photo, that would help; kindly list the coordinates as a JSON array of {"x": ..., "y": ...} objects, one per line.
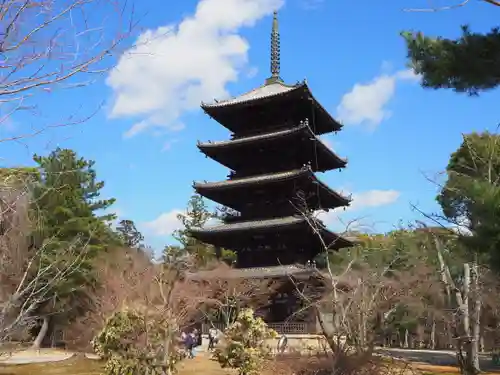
[{"x": 275, "y": 51}]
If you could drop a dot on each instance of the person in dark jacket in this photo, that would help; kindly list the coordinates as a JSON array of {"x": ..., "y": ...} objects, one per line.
[{"x": 190, "y": 343}]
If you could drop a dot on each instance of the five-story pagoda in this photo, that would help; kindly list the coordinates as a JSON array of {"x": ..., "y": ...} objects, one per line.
[{"x": 272, "y": 188}]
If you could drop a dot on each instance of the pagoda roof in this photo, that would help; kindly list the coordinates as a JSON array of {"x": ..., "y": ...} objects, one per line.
[
  {"x": 264, "y": 91},
  {"x": 215, "y": 150},
  {"x": 273, "y": 92},
  {"x": 253, "y": 138},
  {"x": 335, "y": 240},
  {"x": 270, "y": 177},
  {"x": 207, "y": 188}
]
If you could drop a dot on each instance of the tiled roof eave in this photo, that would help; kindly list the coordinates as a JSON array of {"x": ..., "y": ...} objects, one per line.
[
  {"x": 288, "y": 221},
  {"x": 268, "y": 178},
  {"x": 205, "y": 146},
  {"x": 331, "y": 191},
  {"x": 321, "y": 108},
  {"x": 235, "y": 102},
  {"x": 233, "y": 142},
  {"x": 329, "y": 151},
  {"x": 257, "y": 224}
]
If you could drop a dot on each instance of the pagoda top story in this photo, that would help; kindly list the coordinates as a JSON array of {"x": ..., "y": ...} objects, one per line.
[{"x": 281, "y": 94}]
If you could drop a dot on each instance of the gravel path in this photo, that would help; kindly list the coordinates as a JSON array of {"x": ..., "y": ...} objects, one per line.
[
  {"x": 33, "y": 356},
  {"x": 433, "y": 357}
]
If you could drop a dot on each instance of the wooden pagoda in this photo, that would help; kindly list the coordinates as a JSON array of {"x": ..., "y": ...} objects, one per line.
[{"x": 272, "y": 190}]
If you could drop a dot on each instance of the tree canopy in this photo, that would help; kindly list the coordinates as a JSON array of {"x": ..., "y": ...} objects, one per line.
[
  {"x": 469, "y": 64},
  {"x": 471, "y": 193},
  {"x": 197, "y": 215},
  {"x": 68, "y": 226},
  {"x": 129, "y": 233}
]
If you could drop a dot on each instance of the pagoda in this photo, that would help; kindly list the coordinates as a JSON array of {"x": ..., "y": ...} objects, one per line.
[{"x": 272, "y": 191}]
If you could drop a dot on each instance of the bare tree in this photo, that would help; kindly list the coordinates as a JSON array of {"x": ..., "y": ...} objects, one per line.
[
  {"x": 225, "y": 296},
  {"x": 27, "y": 281},
  {"x": 124, "y": 277},
  {"x": 433, "y": 8},
  {"x": 50, "y": 45},
  {"x": 467, "y": 300},
  {"x": 358, "y": 299},
  {"x": 473, "y": 221}
]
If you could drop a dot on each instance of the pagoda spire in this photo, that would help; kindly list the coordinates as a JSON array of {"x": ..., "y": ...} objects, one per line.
[{"x": 275, "y": 51}]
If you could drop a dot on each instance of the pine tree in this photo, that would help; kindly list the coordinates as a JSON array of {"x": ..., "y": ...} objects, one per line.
[
  {"x": 469, "y": 64},
  {"x": 129, "y": 233},
  {"x": 68, "y": 227}
]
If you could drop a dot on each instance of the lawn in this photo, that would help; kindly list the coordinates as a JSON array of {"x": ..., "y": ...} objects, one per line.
[{"x": 199, "y": 365}]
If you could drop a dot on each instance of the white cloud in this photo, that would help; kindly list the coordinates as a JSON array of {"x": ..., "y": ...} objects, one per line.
[
  {"x": 373, "y": 198},
  {"x": 366, "y": 103},
  {"x": 173, "y": 68},
  {"x": 360, "y": 201},
  {"x": 165, "y": 224}
]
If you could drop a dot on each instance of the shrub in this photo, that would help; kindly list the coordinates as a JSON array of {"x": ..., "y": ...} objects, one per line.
[
  {"x": 135, "y": 343},
  {"x": 245, "y": 347}
]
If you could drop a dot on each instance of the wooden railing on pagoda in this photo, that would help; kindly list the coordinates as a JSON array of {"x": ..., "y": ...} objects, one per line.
[{"x": 287, "y": 328}]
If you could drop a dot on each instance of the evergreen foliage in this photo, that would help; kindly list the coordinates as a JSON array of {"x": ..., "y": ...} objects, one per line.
[{"x": 469, "y": 64}]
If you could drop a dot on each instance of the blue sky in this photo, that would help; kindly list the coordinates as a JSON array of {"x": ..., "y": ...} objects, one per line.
[{"x": 144, "y": 138}]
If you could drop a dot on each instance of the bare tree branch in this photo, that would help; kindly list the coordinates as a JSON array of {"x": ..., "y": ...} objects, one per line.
[{"x": 433, "y": 8}]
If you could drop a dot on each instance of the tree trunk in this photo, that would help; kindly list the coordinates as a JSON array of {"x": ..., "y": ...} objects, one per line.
[
  {"x": 464, "y": 340},
  {"x": 465, "y": 302},
  {"x": 469, "y": 365},
  {"x": 476, "y": 317},
  {"x": 42, "y": 333},
  {"x": 433, "y": 334},
  {"x": 327, "y": 331},
  {"x": 406, "y": 339},
  {"x": 362, "y": 319},
  {"x": 450, "y": 336}
]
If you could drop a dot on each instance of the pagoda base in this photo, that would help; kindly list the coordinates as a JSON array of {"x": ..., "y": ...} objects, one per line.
[{"x": 284, "y": 311}]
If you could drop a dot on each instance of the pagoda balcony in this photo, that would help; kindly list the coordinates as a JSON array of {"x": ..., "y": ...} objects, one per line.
[
  {"x": 298, "y": 188},
  {"x": 276, "y": 103},
  {"x": 275, "y": 151},
  {"x": 297, "y": 235}
]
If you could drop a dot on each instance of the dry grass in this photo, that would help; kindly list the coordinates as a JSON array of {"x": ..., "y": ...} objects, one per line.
[
  {"x": 76, "y": 366},
  {"x": 68, "y": 367},
  {"x": 202, "y": 364}
]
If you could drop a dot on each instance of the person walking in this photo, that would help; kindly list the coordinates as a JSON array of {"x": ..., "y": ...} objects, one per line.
[
  {"x": 198, "y": 338},
  {"x": 282, "y": 344},
  {"x": 212, "y": 337},
  {"x": 190, "y": 342}
]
